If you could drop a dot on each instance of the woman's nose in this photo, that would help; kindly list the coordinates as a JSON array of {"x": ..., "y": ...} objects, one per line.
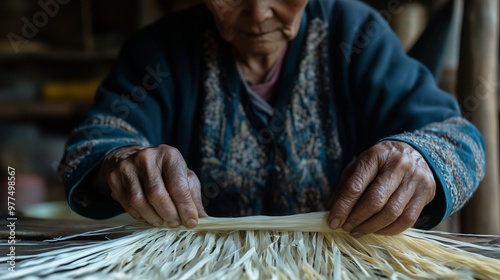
[{"x": 259, "y": 10}]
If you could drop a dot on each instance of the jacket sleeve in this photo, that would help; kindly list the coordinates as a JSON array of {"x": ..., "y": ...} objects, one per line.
[
  {"x": 128, "y": 110},
  {"x": 396, "y": 98}
]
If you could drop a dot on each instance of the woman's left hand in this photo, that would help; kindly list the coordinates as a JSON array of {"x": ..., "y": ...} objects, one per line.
[{"x": 383, "y": 191}]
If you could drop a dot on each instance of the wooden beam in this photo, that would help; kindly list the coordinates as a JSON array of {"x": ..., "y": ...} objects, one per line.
[{"x": 476, "y": 92}]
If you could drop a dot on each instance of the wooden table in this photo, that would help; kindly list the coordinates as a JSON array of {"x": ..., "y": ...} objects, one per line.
[{"x": 30, "y": 234}]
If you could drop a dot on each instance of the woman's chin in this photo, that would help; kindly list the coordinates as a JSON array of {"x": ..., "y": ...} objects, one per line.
[{"x": 260, "y": 48}]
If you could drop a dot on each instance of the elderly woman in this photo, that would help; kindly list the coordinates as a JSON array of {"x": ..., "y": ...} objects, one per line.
[{"x": 273, "y": 107}]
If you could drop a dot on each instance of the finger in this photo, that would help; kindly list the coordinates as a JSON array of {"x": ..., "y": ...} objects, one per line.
[
  {"x": 135, "y": 214},
  {"x": 407, "y": 219},
  {"x": 135, "y": 197},
  {"x": 158, "y": 197},
  {"x": 175, "y": 177},
  {"x": 122, "y": 153},
  {"x": 391, "y": 211},
  {"x": 375, "y": 197},
  {"x": 389, "y": 178},
  {"x": 195, "y": 187},
  {"x": 154, "y": 187},
  {"x": 118, "y": 193},
  {"x": 354, "y": 181}
]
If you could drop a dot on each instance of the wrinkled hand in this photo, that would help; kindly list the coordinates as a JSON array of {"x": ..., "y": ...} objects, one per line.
[
  {"x": 383, "y": 191},
  {"x": 154, "y": 185}
]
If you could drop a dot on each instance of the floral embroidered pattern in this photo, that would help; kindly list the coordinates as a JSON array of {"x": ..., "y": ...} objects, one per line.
[
  {"x": 302, "y": 185},
  {"x": 238, "y": 167},
  {"x": 233, "y": 159},
  {"x": 107, "y": 122}
]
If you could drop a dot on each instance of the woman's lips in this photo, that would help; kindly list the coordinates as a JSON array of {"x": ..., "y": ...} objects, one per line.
[{"x": 257, "y": 35}]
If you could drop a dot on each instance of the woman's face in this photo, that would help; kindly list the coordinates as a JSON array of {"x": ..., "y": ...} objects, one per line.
[{"x": 257, "y": 27}]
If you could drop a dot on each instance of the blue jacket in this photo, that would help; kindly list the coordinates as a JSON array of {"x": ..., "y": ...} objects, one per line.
[{"x": 346, "y": 84}]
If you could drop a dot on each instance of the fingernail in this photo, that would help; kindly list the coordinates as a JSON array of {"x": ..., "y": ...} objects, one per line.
[
  {"x": 347, "y": 227},
  {"x": 335, "y": 223},
  {"x": 356, "y": 234},
  {"x": 174, "y": 224},
  {"x": 156, "y": 224},
  {"x": 191, "y": 223}
]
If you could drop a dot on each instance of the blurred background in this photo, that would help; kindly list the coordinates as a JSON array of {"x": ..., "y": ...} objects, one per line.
[{"x": 54, "y": 54}]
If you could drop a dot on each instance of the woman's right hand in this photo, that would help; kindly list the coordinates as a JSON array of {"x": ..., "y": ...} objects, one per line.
[{"x": 153, "y": 185}]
